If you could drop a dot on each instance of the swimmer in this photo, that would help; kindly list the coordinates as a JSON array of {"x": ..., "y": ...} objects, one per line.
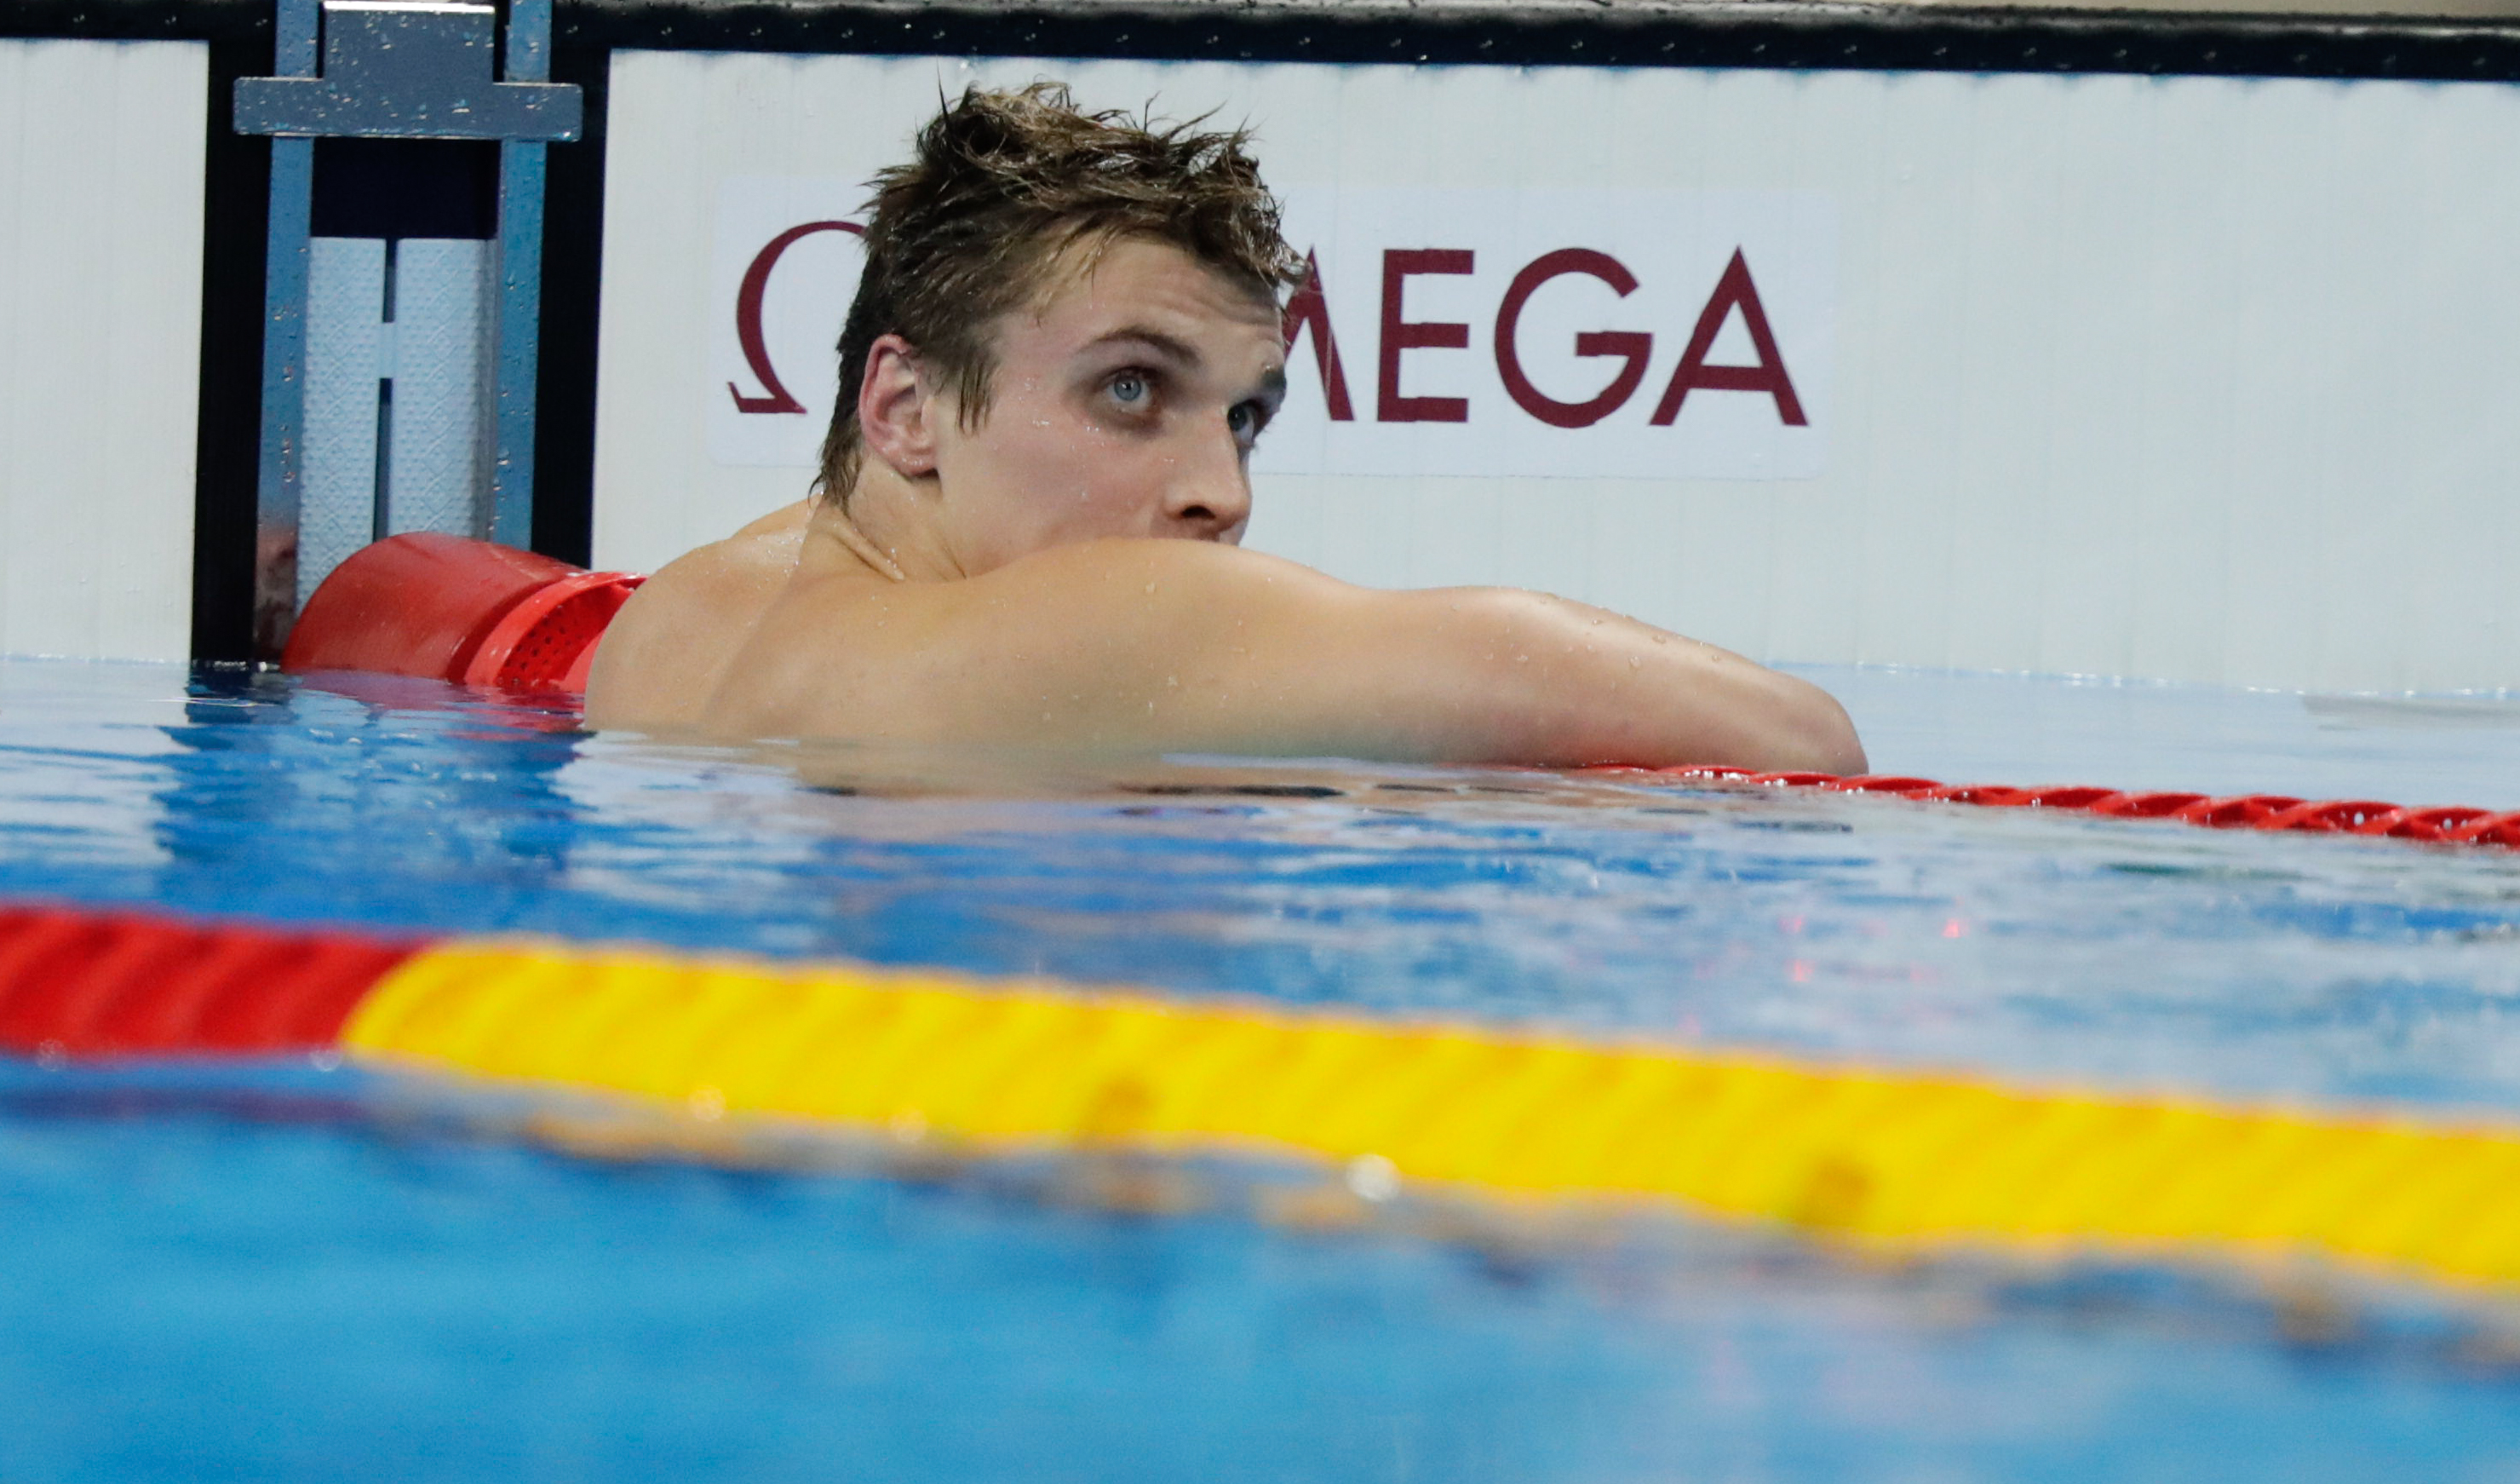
[{"x": 1066, "y": 340}]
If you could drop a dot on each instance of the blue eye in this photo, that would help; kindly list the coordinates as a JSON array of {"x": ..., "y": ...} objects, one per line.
[
  {"x": 1129, "y": 388},
  {"x": 1245, "y": 420}
]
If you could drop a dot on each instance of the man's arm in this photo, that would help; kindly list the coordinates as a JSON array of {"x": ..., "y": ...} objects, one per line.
[{"x": 1181, "y": 645}]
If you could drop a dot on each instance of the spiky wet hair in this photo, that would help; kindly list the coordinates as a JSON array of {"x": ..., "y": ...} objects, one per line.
[{"x": 1000, "y": 184}]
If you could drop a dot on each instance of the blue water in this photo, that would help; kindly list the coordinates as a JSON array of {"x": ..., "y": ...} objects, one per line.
[{"x": 292, "y": 1272}]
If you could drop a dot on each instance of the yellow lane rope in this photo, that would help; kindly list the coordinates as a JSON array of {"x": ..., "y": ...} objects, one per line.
[{"x": 1896, "y": 1157}]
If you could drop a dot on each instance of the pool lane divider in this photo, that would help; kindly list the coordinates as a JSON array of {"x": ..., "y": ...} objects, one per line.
[
  {"x": 89, "y": 984},
  {"x": 1902, "y": 1158},
  {"x": 2445, "y": 825}
]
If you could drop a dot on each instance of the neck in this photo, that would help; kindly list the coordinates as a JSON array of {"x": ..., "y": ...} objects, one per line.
[{"x": 884, "y": 526}]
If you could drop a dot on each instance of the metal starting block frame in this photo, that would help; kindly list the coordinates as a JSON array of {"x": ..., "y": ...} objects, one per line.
[{"x": 398, "y": 69}]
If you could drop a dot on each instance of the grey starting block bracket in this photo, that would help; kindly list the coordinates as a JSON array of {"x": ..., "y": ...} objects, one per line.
[
  {"x": 333, "y": 351},
  {"x": 411, "y": 70}
]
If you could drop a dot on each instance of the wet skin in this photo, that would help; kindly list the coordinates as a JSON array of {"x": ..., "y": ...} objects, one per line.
[{"x": 1060, "y": 569}]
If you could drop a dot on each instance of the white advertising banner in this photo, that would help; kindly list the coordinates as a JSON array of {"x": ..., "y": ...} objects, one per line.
[{"x": 2100, "y": 375}]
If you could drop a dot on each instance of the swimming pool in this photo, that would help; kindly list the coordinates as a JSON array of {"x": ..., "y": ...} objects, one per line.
[{"x": 272, "y": 1269}]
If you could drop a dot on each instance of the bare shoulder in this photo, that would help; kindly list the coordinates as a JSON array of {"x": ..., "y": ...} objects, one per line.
[
  {"x": 1107, "y": 592},
  {"x": 1119, "y": 612},
  {"x": 1198, "y": 575},
  {"x": 669, "y": 646},
  {"x": 1047, "y": 647}
]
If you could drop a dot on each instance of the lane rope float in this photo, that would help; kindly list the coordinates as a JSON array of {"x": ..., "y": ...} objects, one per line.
[
  {"x": 1899, "y": 1157},
  {"x": 2444, "y": 825}
]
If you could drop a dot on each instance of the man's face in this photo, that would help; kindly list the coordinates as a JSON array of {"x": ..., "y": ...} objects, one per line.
[{"x": 1123, "y": 403}]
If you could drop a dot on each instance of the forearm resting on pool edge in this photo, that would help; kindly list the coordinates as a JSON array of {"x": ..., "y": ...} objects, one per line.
[{"x": 1498, "y": 675}]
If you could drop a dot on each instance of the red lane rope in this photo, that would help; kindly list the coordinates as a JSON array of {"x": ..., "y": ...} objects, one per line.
[
  {"x": 2447, "y": 824},
  {"x": 84, "y": 984}
]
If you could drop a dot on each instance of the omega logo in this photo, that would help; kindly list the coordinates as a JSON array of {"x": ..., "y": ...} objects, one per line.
[
  {"x": 1307, "y": 315},
  {"x": 774, "y": 397}
]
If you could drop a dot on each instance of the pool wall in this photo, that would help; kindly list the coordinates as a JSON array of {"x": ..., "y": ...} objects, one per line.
[{"x": 101, "y": 188}]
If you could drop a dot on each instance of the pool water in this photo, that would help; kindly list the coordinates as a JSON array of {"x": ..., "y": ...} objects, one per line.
[{"x": 285, "y": 1270}]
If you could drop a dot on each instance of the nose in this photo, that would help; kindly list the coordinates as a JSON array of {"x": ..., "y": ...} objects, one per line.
[{"x": 1209, "y": 494}]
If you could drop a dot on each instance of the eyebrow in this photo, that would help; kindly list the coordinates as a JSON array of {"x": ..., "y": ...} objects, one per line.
[{"x": 1172, "y": 346}]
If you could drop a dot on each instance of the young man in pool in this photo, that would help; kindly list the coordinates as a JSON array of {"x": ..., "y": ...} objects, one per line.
[{"x": 1065, "y": 338}]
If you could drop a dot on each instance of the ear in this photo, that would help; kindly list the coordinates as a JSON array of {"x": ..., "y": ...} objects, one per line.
[{"x": 898, "y": 410}]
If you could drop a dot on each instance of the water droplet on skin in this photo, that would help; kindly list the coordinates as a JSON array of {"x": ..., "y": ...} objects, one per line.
[
  {"x": 1635, "y": 662},
  {"x": 1150, "y": 587}
]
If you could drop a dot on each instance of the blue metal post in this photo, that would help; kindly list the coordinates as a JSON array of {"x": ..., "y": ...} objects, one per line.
[
  {"x": 405, "y": 70},
  {"x": 520, "y": 276},
  {"x": 283, "y": 347}
]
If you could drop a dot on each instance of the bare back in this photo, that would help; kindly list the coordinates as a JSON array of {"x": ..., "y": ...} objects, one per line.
[{"x": 669, "y": 648}]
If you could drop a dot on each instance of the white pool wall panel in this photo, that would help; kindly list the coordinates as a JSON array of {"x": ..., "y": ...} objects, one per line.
[
  {"x": 439, "y": 476},
  {"x": 100, "y": 160},
  {"x": 414, "y": 319},
  {"x": 346, "y": 367},
  {"x": 2170, "y": 378}
]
